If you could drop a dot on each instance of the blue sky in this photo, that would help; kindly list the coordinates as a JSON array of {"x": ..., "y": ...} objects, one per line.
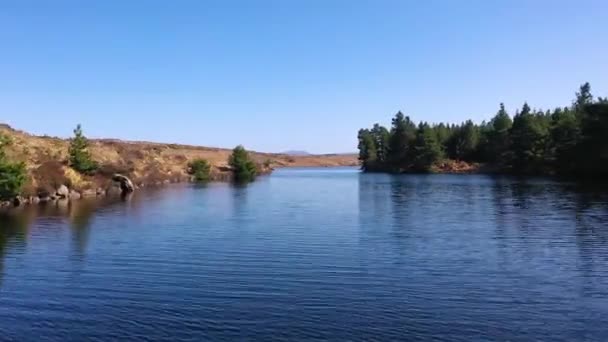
[{"x": 287, "y": 74}]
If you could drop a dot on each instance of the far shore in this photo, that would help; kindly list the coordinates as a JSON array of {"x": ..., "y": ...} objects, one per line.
[{"x": 145, "y": 163}]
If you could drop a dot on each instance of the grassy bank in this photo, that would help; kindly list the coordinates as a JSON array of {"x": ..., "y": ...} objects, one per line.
[{"x": 46, "y": 161}]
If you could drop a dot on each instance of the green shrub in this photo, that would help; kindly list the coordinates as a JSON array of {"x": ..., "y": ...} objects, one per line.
[
  {"x": 12, "y": 175},
  {"x": 243, "y": 168},
  {"x": 200, "y": 169},
  {"x": 80, "y": 157}
]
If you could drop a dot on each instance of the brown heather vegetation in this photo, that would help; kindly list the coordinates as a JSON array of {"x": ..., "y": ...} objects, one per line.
[
  {"x": 145, "y": 163},
  {"x": 456, "y": 166}
]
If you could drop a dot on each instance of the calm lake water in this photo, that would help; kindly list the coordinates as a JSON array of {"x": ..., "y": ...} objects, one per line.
[{"x": 313, "y": 254}]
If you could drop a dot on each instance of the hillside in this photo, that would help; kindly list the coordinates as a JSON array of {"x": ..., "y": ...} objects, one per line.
[{"x": 146, "y": 163}]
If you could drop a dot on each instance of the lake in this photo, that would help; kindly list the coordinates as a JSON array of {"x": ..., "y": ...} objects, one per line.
[{"x": 309, "y": 254}]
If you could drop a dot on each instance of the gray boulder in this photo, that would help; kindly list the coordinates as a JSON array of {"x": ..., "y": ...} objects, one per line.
[
  {"x": 17, "y": 201},
  {"x": 113, "y": 190},
  {"x": 74, "y": 195},
  {"x": 126, "y": 186},
  {"x": 63, "y": 192},
  {"x": 89, "y": 193}
]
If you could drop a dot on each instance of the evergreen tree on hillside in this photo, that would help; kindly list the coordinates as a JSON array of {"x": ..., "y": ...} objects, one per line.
[
  {"x": 583, "y": 98},
  {"x": 442, "y": 133},
  {"x": 403, "y": 133},
  {"x": 243, "y": 168},
  {"x": 484, "y": 131},
  {"x": 381, "y": 138},
  {"x": 80, "y": 157},
  {"x": 12, "y": 175},
  {"x": 565, "y": 136},
  {"x": 529, "y": 141},
  {"x": 426, "y": 149},
  {"x": 367, "y": 150},
  {"x": 497, "y": 137},
  {"x": 200, "y": 170},
  {"x": 463, "y": 143}
]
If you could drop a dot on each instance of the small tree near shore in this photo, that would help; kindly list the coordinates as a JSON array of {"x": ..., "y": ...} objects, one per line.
[
  {"x": 12, "y": 175},
  {"x": 200, "y": 169},
  {"x": 243, "y": 168},
  {"x": 80, "y": 157}
]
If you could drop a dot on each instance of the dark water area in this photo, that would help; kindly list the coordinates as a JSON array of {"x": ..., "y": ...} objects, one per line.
[{"x": 313, "y": 254}]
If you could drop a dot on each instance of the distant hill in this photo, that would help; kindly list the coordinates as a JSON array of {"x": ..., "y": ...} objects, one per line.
[{"x": 296, "y": 153}]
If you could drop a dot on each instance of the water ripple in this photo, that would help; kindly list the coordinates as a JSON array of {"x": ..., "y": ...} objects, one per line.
[{"x": 313, "y": 255}]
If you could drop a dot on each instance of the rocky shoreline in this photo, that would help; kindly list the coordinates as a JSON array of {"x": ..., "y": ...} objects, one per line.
[
  {"x": 117, "y": 185},
  {"x": 50, "y": 176},
  {"x": 121, "y": 185}
]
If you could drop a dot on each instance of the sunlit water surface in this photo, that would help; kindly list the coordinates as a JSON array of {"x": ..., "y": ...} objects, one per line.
[{"x": 313, "y": 254}]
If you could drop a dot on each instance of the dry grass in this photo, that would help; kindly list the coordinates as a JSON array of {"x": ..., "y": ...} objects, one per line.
[
  {"x": 144, "y": 162},
  {"x": 456, "y": 166}
]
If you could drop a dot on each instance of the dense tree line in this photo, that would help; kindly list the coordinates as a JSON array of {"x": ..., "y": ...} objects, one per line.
[{"x": 568, "y": 141}]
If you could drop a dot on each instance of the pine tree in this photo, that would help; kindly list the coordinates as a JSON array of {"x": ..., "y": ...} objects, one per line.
[
  {"x": 565, "y": 136},
  {"x": 529, "y": 141},
  {"x": 80, "y": 157},
  {"x": 426, "y": 149},
  {"x": 243, "y": 168},
  {"x": 367, "y": 150},
  {"x": 200, "y": 170},
  {"x": 12, "y": 175},
  {"x": 583, "y": 98},
  {"x": 403, "y": 133},
  {"x": 381, "y": 138},
  {"x": 463, "y": 143},
  {"x": 442, "y": 133},
  {"x": 497, "y": 137}
]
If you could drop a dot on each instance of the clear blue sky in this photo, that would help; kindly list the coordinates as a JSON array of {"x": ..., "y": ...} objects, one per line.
[{"x": 287, "y": 74}]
